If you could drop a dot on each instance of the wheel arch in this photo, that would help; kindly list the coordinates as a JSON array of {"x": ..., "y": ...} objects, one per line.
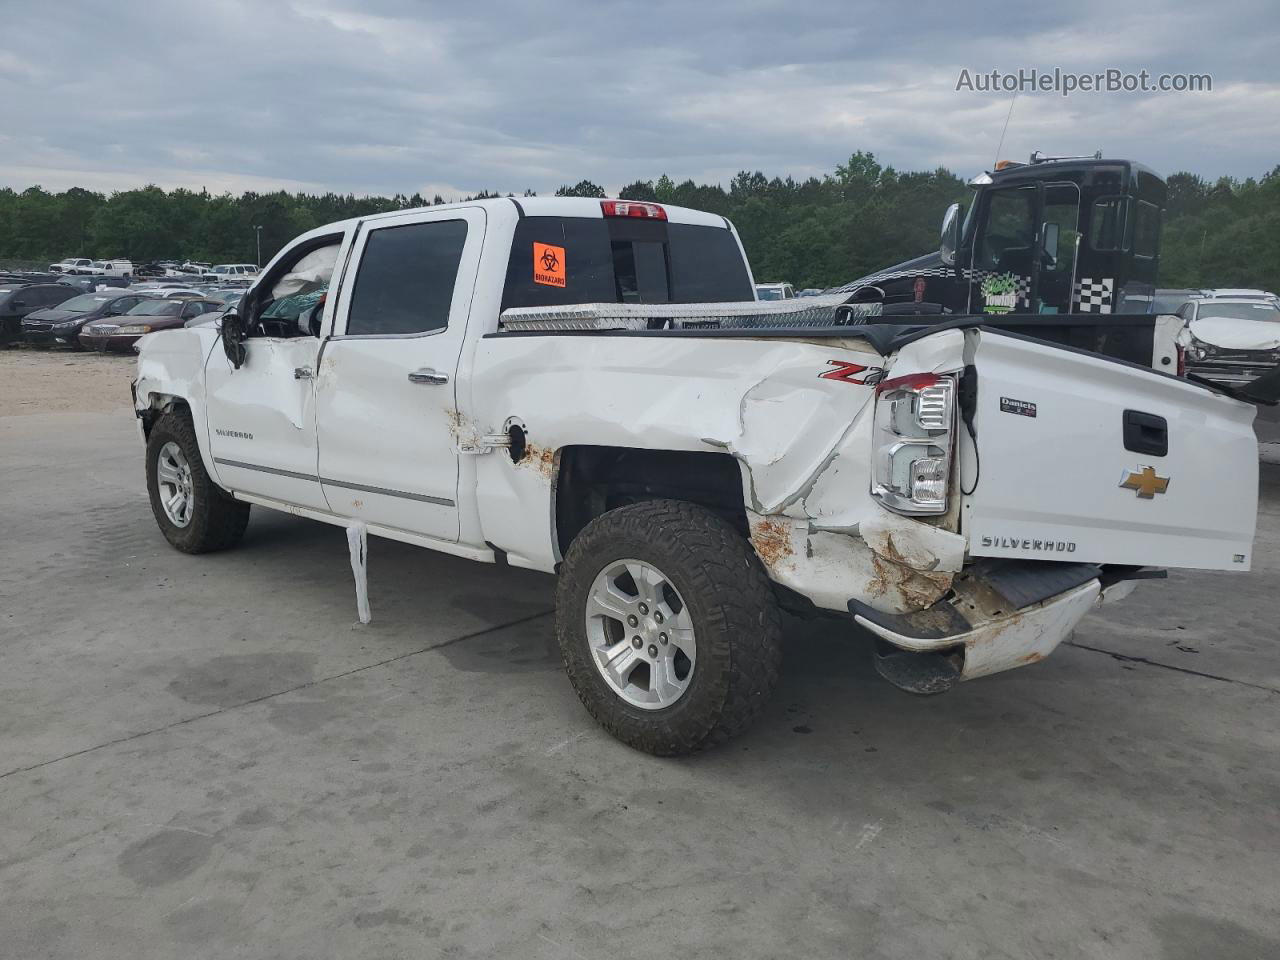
[
  {"x": 591, "y": 480},
  {"x": 156, "y": 404}
]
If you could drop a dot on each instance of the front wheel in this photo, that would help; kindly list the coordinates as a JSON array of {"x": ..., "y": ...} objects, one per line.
[
  {"x": 194, "y": 513},
  {"x": 668, "y": 627}
]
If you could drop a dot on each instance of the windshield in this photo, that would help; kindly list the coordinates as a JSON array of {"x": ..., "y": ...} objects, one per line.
[
  {"x": 83, "y": 303},
  {"x": 157, "y": 308},
  {"x": 1240, "y": 311},
  {"x": 768, "y": 293}
]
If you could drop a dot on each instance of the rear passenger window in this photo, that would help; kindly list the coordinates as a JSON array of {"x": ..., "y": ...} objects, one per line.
[
  {"x": 405, "y": 281},
  {"x": 623, "y": 260}
]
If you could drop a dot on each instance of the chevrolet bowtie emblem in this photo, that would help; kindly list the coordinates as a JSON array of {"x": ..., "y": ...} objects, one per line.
[{"x": 1146, "y": 482}]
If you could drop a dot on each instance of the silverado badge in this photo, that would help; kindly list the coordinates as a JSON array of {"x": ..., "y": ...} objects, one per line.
[{"x": 1147, "y": 482}]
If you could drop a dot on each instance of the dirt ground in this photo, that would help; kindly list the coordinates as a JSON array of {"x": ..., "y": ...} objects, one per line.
[{"x": 61, "y": 381}]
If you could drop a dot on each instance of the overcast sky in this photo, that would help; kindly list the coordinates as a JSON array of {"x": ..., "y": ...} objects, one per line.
[{"x": 386, "y": 96}]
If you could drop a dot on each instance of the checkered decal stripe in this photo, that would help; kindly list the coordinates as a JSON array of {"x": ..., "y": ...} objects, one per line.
[{"x": 1093, "y": 296}]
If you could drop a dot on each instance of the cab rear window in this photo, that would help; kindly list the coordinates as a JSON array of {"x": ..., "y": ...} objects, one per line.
[{"x": 556, "y": 261}]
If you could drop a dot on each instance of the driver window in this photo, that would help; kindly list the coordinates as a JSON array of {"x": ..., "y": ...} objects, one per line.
[
  {"x": 295, "y": 292},
  {"x": 1009, "y": 238}
]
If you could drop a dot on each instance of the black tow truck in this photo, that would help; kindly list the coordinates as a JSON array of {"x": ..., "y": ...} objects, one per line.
[
  {"x": 1055, "y": 235},
  {"x": 1063, "y": 249}
]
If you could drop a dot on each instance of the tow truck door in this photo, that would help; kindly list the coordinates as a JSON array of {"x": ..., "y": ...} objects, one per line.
[
  {"x": 1025, "y": 249},
  {"x": 385, "y": 390}
]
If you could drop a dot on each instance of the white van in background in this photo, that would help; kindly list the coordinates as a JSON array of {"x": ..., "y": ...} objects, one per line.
[{"x": 232, "y": 271}]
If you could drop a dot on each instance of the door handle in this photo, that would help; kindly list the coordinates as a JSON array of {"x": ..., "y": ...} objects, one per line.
[
  {"x": 427, "y": 375},
  {"x": 302, "y": 373}
]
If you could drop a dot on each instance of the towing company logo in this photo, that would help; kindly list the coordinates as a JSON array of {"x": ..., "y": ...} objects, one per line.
[
  {"x": 548, "y": 265},
  {"x": 1146, "y": 482},
  {"x": 999, "y": 293}
]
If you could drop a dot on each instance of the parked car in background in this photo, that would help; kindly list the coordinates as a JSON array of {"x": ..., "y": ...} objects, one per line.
[
  {"x": 112, "y": 268},
  {"x": 93, "y": 282},
  {"x": 774, "y": 291},
  {"x": 228, "y": 297},
  {"x": 810, "y": 292},
  {"x": 72, "y": 265},
  {"x": 149, "y": 316},
  {"x": 1231, "y": 293},
  {"x": 17, "y": 301},
  {"x": 62, "y": 324},
  {"x": 232, "y": 271},
  {"x": 1231, "y": 342},
  {"x": 1170, "y": 301},
  {"x": 168, "y": 290}
]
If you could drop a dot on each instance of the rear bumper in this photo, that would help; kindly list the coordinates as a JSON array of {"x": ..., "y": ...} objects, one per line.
[
  {"x": 999, "y": 616},
  {"x": 1013, "y": 640}
]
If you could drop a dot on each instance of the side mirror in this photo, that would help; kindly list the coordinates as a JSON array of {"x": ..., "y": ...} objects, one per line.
[
  {"x": 309, "y": 320},
  {"x": 233, "y": 336},
  {"x": 950, "y": 241},
  {"x": 1049, "y": 244}
]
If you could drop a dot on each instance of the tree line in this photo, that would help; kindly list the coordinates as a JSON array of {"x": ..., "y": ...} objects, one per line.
[{"x": 815, "y": 232}]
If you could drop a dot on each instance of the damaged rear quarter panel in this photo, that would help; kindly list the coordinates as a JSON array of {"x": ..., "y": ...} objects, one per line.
[
  {"x": 803, "y": 444},
  {"x": 650, "y": 393},
  {"x": 823, "y": 535}
]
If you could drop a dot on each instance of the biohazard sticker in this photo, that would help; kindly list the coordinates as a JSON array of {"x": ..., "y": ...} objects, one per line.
[
  {"x": 548, "y": 265},
  {"x": 1000, "y": 293}
]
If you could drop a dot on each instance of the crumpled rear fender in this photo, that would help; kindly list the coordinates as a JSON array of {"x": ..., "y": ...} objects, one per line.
[{"x": 802, "y": 441}]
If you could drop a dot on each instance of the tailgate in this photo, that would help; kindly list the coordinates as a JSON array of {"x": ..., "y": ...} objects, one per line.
[{"x": 1072, "y": 464}]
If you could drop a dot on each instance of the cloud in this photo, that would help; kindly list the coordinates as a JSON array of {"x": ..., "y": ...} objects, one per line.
[{"x": 386, "y": 96}]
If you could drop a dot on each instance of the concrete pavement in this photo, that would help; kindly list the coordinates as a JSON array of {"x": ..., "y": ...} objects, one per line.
[{"x": 208, "y": 757}]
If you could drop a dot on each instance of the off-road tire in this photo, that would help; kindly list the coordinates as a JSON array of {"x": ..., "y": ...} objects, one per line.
[
  {"x": 217, "y": 520},
  {"x": 738, "y": 630}
]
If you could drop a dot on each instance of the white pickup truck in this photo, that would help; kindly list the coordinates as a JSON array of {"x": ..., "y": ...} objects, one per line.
[{"x": 577, "y": 386}]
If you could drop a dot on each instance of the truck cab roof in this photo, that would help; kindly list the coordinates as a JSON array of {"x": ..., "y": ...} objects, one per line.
[
  {"x": 584, "y": 207},
  {"x": 1080, "y": 169}
]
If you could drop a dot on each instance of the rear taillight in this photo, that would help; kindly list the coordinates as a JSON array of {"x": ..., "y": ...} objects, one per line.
[
  {"x": 1182, "y": 360},
  {"x": 914, "y": 425},
  {"x": 632, "y": 208}
]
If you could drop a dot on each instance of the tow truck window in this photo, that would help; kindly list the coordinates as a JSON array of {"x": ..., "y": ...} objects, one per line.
[
  {"x": 406, "y": 277},
  {"x": 1007, "y": 242},
  {"x": 1146, "y": 229},
  {"x": 1106, "y": 225}
]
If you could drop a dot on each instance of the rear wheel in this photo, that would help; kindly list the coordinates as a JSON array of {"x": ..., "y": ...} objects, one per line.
[
  {"x": 668, "y": 627},
  {"x": 194, "y": 514}
]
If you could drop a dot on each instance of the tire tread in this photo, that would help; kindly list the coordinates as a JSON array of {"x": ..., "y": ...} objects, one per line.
[{"x": 722, "y": 571}]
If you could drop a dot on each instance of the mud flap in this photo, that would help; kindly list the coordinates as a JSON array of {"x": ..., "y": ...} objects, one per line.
[{"x": 358, "y": 545}]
